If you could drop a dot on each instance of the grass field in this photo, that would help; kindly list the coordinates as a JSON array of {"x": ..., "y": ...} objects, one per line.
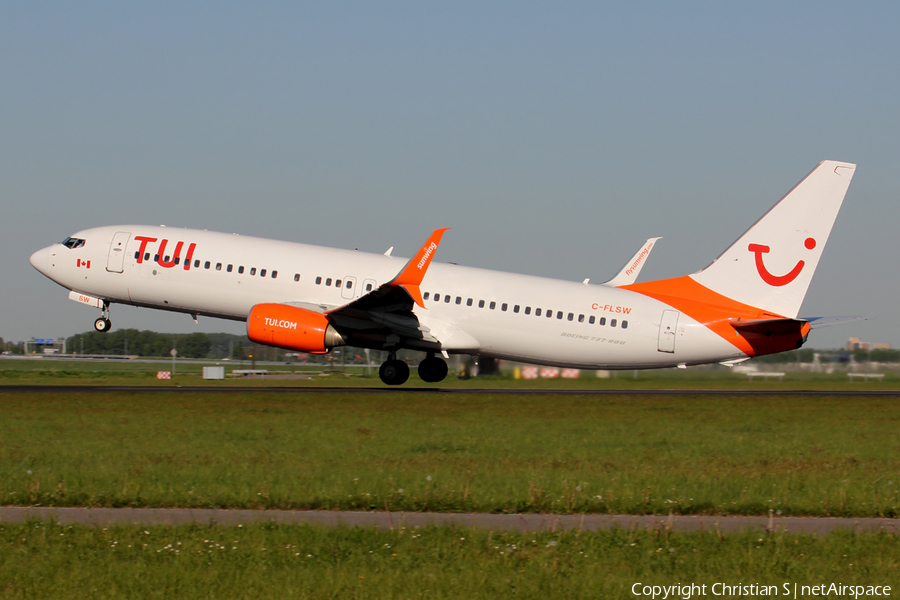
[
  {"x": 423, "y": 451},
  {"x": 45, "y": 560},
  {"x": 52, "y": 371}
]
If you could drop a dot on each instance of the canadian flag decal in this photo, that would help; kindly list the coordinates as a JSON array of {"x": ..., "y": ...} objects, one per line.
[{"x": 83, "y": 263}]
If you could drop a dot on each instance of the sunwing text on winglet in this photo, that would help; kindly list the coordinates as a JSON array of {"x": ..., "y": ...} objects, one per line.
[
  {"x": 311, "y": 299},
  {"x": 414, "y": 271}
]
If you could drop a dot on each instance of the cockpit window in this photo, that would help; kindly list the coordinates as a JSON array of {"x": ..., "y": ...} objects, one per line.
[{"x": 72, "y": 243}]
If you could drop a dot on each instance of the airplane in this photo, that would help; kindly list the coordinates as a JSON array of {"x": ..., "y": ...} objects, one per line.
[{"x": 311, "y": 298}]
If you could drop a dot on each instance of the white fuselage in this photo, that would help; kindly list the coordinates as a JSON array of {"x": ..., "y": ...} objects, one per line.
[{"x": 477, "y": 311}]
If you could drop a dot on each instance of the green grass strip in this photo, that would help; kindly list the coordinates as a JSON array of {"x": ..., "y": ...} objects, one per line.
[
  {"x": 46, "y": 560},
  {"x": 476, "y": 453}
]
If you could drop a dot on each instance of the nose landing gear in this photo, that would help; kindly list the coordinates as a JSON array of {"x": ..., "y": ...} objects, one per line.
[{"x": 103, "y": 324}]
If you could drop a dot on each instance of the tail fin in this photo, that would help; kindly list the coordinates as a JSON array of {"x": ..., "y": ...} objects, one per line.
[{"x": 771, "y": 265}]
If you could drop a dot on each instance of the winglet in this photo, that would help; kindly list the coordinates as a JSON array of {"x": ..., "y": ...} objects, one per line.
[
  {"x": 632, "y": 268},
  {"x": 414, "y": 271}
]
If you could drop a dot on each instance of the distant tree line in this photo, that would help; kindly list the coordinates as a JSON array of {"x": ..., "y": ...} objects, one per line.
[
  {"x": 13, "y": 347},
  {"x": 140, "y": 343}
]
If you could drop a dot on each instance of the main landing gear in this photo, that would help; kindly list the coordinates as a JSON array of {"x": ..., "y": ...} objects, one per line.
[
  {"x": 103, "y": 324},
  {"x": 396, "y": 372},
  {"x": 432, "y": 369},
  {"x": 393, "y": 371}
]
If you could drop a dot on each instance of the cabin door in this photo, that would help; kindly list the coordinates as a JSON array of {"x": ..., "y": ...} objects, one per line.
[
  {"x": 667, "y": 326},
  {"x": 116, "y": 261}
]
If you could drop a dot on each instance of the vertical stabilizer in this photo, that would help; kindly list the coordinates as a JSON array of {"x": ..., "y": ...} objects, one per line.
[{"x": 771, "y": 265}]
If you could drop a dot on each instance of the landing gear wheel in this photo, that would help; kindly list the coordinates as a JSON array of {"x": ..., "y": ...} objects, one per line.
[
  {"x": 432, "y": 369},
  {"x": 102, "y": 325},
  {"x": 394, "y": 372}
]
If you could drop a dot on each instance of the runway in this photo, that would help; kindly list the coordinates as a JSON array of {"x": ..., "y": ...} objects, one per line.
[
  {"x": 496, "y": 522},
  {"x": 446, "y": 390}
]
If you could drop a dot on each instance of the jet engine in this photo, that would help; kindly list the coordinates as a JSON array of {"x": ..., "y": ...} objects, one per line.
[{"x": 292, "y": 328}]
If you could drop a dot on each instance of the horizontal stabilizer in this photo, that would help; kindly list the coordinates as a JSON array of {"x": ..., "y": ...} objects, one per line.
[
  {"x": 769, "y": 326},
  {"x": 817, "y": 322}
]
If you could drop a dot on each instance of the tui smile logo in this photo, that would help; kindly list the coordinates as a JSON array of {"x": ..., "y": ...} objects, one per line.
[{"x": 777, "y": 280}]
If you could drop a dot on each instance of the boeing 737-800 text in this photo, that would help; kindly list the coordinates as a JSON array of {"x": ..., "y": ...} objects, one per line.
[{"x": 311, "y": 298}]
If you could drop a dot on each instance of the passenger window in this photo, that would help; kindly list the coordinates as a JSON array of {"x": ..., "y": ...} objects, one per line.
[
  {"x": 136, "y": 254},
  {"x": 328, "y": 281},
  {"x": 147, "y": 257},
  {"x": 177, "y": 259},
  {"x": 166, "y": 259},
  {"x": 492, "y": 305},
  {"x": 516, "y": 308},
  {"x": 368, "y": 287},
  {"x": 337, "y": 283},
  {"x": 591, "y": 319},
  {"x": 274, "y": 274},
  {"x": 253, "y": 270},
  {"x": 581, "y": 318},
  {"x": 559, "y": 315},
  {"x": 206, "y": 265},
  {"x": 156, "y": 258},
  {"x": 481, "y": 304},
  {"x": 459, "y": 299},
  {"x": 262, "y": 273},
  {"x": 549, "y": 314},
  {"x": 349, "y": 284},
  {"x": 527, "y": 310},
  {"x": 447, "y": 298},
  {"x": 537, "y": 312},
  {"x": 425, "y": 296},
  {"x": 469, "y": 302},
  {"x": 569, "y": 317},
  {"x": 296, "y": 276},
  {"x": 240, "y": 270},
  {"x": 229, "y": 268},
  {"x": 503, "y": 307},
  {"x": 624, "y": 324},
  {"x": 218, "y": 266},
  {"x": 612, "y": 323},
  {"x": 318, "y": 280},
  {"x": 603, "y": 320},
  {"x": 196, "y": 264},
  {"x": 437, "y": 297}
]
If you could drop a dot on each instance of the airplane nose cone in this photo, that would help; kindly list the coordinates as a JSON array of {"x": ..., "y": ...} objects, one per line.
[{"x": 40, "y": 260}]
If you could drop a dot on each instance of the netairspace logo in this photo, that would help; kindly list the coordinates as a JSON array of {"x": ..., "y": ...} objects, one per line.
[{"x": 794, "y": 590}]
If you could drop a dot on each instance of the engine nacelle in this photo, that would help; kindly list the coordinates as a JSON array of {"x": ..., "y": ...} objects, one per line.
[{"x": 292, "y": 328}]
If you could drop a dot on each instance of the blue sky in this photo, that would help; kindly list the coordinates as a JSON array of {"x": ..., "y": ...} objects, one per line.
[{"x": 554, "y": 138}]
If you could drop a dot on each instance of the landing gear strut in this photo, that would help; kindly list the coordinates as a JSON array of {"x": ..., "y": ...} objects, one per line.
[
  {"x": 432, "y": 369},
  {"x": 103, "y": 324},
  {"x": 393, "y": 371}
]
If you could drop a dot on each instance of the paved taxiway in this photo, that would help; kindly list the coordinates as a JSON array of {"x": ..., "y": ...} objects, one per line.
[{"x": 388, "y": 520}]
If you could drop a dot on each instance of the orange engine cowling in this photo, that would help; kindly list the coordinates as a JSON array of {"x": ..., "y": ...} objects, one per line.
[{"x": 293, "y": 328}]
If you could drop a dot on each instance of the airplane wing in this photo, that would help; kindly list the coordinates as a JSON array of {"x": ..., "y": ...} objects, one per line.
[
  {"x": 387, "y": 311},
  {"x": 632, "y": 268}
]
